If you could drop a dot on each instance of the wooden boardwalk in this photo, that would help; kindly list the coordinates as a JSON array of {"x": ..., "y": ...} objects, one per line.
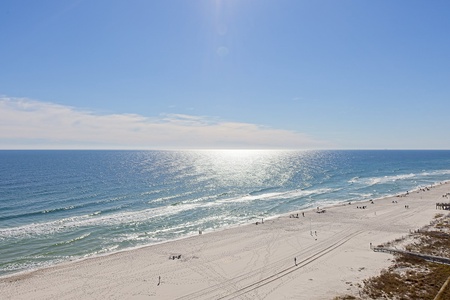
[{"x": 436, "y": 259}]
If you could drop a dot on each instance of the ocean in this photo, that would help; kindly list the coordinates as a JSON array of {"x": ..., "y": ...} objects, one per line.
[{"x": 57, "y": 206}]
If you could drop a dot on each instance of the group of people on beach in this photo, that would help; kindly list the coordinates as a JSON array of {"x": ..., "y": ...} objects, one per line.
[
  {"x": 445, "y": 206},
  {"x": 296, "y": 215}
]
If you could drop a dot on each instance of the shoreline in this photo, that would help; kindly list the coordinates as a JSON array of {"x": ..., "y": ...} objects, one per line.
[
  {"x": 311, "y": 209},
  {"x": 216, "y": 257},
  {"x": 304, "y": 207},
  {"x": 193, "y": 234}
]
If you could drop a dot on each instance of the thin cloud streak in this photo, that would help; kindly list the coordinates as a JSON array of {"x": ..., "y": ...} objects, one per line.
[{"x": 31, "y": 124}]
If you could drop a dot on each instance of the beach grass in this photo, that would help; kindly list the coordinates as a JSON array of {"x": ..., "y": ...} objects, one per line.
[{"x": 411, "y": 277}]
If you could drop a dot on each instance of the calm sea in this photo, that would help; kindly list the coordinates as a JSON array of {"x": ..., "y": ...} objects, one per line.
[{"x": 63, "y": 205}]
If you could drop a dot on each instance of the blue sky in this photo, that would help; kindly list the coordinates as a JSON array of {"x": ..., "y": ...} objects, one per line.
[{"x": 224, "y": 74}]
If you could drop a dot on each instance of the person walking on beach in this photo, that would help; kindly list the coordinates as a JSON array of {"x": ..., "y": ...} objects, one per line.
[
  {"x": 159, "y": 281},
  {"x": 295, "y": 261}
]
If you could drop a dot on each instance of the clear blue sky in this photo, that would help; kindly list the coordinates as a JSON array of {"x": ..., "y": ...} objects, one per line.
[{"x": 154, "y": 74}]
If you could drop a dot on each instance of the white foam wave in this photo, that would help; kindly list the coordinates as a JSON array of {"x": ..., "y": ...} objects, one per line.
[
  {"x": 73, "y": 240},
  {"x": 151, "y": 192},
  {"x": 67, "y": 224},
  {"x": 386, "y": 179},
  {"x": 134, "y": 217},
  {"x": 31, "y": 265},
  {"x": 353, "y": 180},
  {"x": 162, "y": 199},
  {"x": 103, "y": 251},
  {"x": 436, "y": 173},
  {"x": 278, "y": 195}
]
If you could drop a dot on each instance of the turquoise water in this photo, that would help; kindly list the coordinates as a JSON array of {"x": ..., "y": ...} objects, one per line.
[{"x": 64, "y": 205}]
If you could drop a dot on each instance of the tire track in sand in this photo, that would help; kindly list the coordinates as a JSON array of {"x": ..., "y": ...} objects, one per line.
[{"x": 222, "y": 290}]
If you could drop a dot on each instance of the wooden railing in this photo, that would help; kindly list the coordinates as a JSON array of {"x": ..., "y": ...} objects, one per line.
[{"x": 432, "y": 258}]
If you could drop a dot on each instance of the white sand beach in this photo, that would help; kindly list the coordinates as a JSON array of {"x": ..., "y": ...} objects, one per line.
[{"x": 318, "y": 256}]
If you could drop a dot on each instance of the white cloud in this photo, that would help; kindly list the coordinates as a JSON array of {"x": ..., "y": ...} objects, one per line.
[{"x": 26, "y": 123}]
